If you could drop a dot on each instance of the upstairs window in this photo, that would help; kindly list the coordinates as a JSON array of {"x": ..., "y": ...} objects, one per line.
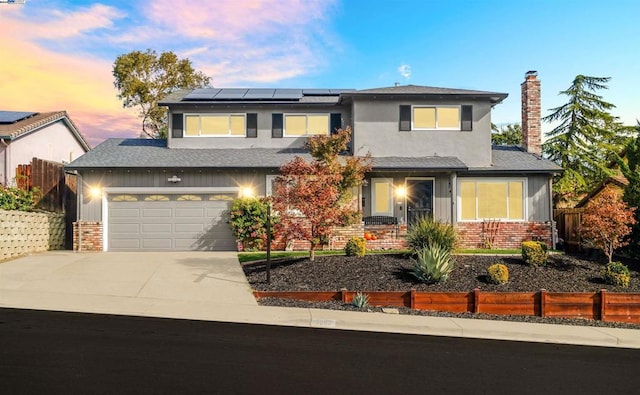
[
  {"x": 215, "y": 125},
  {"x": 298, "y": 125},
  {"x": 436, "y": 118}
]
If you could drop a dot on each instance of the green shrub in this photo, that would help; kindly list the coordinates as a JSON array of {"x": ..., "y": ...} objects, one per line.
[
  {"x": 248, "y": 220},
  {"x": 498, "y": 273},
  {"x": 360, "y": 300},
  {"x": 12, "y": 198},
  {"x": 427, "y": 232},
  {"x": 534, "y": 253},
  {"x": 433, "y": 264},
  {"x": 616, "y": 273},
  {"x": 356, "y": 246}
]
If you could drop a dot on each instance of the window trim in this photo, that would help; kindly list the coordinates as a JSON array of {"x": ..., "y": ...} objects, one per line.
[
  {"x": 525, "y": 197},
  {"x": 200, "y": 115},
  {"x": 459, "y": 107},
  {"x": 373, "y": 196},
  {"x": 306, "y": 115}
]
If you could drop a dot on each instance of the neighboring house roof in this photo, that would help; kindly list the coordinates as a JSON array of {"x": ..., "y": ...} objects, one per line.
[
  {"x": 617, "y": 181},
  {"x": 507, "y": 159},
  {"x": 313, "y": 96},
  {"x": 14, "y": 124},
  {"x": 403, "y": 90},
  {"x": 148, "y": 153}
]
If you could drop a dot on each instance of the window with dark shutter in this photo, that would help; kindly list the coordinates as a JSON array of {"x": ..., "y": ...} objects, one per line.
[
  {"x": 252, "y": 125},
  {"x": 336, "y": 123},
  {"x": 276, "y": 125},
  {"x": 176, "y": 126},
  {"x": 405, "y": 118},
  {"x": 467, "y": 118}
]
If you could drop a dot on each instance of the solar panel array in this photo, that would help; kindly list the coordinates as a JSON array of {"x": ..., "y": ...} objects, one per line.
[
  {"x": 258, "y": 94},
  {"x": 14, "y": 116}
]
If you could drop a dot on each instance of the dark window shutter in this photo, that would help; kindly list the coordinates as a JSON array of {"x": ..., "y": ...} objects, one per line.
[
  {"x": 176, "y": 126},
  {"x": 467, "y": 118},
  {"x": 276, "y": 125},
  {"x": 335, "y": 123},
  {"x": 252, "y": 125},
  {"x": 405, "y": 118}
]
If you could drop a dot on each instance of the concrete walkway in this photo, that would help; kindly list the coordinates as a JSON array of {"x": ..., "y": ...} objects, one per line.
[{"x": 211, "y": 286}]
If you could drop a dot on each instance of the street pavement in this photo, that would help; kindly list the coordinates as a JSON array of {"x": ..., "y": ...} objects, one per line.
[{"x": 210, "y": 286}]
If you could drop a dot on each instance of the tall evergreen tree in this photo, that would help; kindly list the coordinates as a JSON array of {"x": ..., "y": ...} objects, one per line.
[
  {"x": 630, "y": 167},
  {"x": 510, "y": 134},
  {"x": 585, "y": 139}
]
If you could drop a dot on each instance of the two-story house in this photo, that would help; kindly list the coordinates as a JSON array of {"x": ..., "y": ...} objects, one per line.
[{"x": 431, "y": 154}]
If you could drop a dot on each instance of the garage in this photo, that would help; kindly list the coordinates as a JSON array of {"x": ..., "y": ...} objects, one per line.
[{"x": 169, "y": 222}]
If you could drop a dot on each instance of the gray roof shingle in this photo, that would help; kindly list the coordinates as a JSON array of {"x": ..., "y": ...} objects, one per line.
[
  {"x": 143, "y": 153},
  {"x": 495, "y": 97}
]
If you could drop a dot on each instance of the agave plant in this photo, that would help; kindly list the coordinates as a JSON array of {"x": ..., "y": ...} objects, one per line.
[
  {"x": 360, "y": 300},
  {"x": 433, "y": 264}
]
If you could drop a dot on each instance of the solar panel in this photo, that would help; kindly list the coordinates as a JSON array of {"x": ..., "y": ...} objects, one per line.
[
  {"x": 259, "y": 94},
  {"x": 14, "y": 116},
  {"x": 288, "y": 94},
  {"x": 316, "y": 92},
  {"x": 228, "y": 94},
  {"x": 202, "y": 94}
]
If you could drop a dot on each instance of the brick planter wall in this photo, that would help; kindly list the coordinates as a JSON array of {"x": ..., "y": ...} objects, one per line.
[
  {"x": 507, "y": 234},
  {"x": 91, "y": 236},
  {"x": 25, "y": 232}
]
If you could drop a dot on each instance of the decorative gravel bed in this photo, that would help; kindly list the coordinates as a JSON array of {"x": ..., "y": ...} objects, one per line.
[{"x": 382, "y": 272}]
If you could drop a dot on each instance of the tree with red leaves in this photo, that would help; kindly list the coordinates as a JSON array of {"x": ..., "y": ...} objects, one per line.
[
  {"x": 607, "y": 221},
  {"x": 314, "y": 197}
]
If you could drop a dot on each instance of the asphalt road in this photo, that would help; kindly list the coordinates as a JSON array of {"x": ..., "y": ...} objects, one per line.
[{"x": 53, "y": 352}]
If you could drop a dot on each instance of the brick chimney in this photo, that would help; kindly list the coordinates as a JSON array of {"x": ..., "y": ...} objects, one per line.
[{"x": 531, "y": 123}]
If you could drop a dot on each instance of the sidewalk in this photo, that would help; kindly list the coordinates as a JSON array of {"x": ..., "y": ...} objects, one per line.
[{"x": 212, "y": 287}]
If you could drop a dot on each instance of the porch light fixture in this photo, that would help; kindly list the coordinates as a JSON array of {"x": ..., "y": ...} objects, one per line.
[
  {"x": 174, "y": 179},
  {"x": 401, "y": 192}
]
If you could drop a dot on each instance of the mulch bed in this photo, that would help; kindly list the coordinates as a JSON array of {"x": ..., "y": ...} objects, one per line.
[{"x": 383, "y": 272}]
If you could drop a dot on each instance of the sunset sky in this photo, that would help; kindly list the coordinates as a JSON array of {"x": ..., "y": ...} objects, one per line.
[{"x": 58, "y": 55}]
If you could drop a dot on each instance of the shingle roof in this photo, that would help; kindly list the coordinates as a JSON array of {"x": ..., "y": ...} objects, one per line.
[
  {"x": 425, "y": 163},
  {"x": 496, "y": 97},
  {"x": 14, "y": 130},
  {"x": 515, "y": 159}
]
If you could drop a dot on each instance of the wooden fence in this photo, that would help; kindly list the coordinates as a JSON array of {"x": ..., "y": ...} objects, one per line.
[
  {"x": 56, "y": 190},
  {"x": 568, "y": 226},
  {"x": 601, "y": 305}
]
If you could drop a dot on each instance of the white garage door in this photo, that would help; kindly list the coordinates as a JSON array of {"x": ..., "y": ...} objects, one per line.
[{"x": 149, "y": 222}]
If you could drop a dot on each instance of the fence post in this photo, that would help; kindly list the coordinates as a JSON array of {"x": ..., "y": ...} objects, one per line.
[
  {"x": 412, "y": 303},
  {"x": 603, "y": 298},
  {"x": 343, "y": 295},
  {"x": 543, "y": 302},
  {"x": 476, "y": 300}
]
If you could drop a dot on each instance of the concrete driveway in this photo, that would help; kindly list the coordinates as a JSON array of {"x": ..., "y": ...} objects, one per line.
[{"x": 170, "y": 284}]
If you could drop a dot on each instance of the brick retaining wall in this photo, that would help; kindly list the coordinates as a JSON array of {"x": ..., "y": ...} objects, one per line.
[
  {"x": 504, "y": 235},
  {"x": 24, "y": 232}
]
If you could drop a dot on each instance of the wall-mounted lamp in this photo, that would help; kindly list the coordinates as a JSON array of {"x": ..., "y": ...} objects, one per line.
[
  {"x": 174, "y": 179},
  {"x": 365, "y": 183},
  {"x": 95, "y": 192},
  {"x": 401, "y": 192},
  {"x": 247, "y": 192}
]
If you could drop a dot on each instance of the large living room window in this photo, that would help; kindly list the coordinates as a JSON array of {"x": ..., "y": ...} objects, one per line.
[
  {"x": 214, "y": 125},
  {"x": 491, "y": 198},
  {"x": 298, "y": 125}
]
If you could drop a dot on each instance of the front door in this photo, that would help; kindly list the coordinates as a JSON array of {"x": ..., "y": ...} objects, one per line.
[{"x": 419, "y": 199}]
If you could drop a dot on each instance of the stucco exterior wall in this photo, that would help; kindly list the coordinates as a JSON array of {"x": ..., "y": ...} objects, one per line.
[
  {"x": 376, "y": 130},
  {"x": 54, "y": 142}
]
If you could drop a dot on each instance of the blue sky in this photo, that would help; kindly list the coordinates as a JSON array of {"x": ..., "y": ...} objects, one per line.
[{"x": 62, "y": 51}]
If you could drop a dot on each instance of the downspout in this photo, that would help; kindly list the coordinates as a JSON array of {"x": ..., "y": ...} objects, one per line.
[
  {"x": 80, "y": 198},
  {"x": 553, "y": 224},
  {"x": 454, "y": 198},
  {"x": 6, "y": 161}
]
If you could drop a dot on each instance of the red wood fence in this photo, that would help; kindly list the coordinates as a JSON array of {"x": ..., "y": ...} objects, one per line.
[{"x": 601, "y": 305}]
